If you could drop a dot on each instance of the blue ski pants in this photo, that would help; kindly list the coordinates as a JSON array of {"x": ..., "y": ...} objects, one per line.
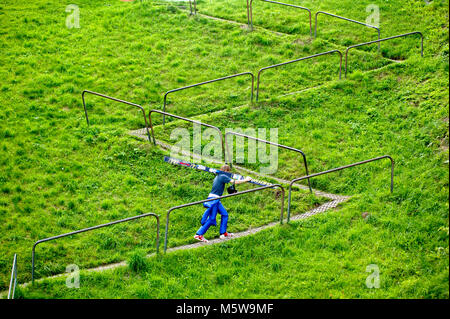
[{"x": 209, "y": 217}]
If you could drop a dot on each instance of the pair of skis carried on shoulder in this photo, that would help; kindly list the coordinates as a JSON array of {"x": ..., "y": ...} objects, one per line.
[{"x": 178, "y": 162}]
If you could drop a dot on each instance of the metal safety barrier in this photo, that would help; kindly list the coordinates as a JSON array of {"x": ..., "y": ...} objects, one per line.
[
  {"x": 93, "y": 228},
  {"x": 267, "y": 142},
  {"x": 338, "y": 169},
  {"x": 294, "y": 6},
  {"x": 184, "y": 119},
  {"x": 250, "y": 12},
  {"x": 297, "y": 60},
  {"x": 117, "y": 100},
  {"x": 13, "y": 281},
  {"x": 381, "y": 40},
  {"x": 346, "y": 19},
  {"x": 207, "y": 82},
  {"x": 222, "y": 197}
]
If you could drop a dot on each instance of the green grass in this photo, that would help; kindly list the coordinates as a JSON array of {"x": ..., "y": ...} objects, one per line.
[
  {"x": 283, "y": 262},
  {"x": 396, "y": 17},
  {"x": 57, "y": 175}
]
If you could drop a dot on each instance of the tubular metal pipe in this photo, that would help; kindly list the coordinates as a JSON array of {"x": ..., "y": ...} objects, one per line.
[
  {"x": 346, "y": 19},
  {"x": 93, "y": 228},
  {"x": 195, "y": 7},
  {"x": 222, "y": 197},
  {"x": 294, "y": 6},
  {"x": 380, "y": 40},
  {"x": 117, "y": 100},
  {"x": 207, "y": 82},
  {"x": 297, "y": 60},
  {"x": 184, "y": 119},
  {"x": 267, "y": 142},
  {"x": 338, "y": 169}
]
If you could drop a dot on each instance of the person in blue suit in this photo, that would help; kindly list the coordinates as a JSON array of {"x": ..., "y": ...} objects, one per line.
[{"x": 215, "y": 206}]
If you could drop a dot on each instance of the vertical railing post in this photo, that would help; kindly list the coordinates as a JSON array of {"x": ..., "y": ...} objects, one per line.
[
  {"x": 116, "y": 100},
  {"x": 295, "y": 6},
  {"x": 13, "y": 281},
  {"x": 378, "y": 41}
]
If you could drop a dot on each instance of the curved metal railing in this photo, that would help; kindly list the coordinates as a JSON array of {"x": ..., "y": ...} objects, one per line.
[
  {"x": 222, "y": 197},
  {"x": 297, "y": 60},
  {"x": 227, "y": 154},
  {"x": 113, "y": 99},
  {"x": 89, "y": 229},
  {"x": 346, "y": 19},
  {"x": 381, "y": 40},
  {"x": 207, "y": 82},
  {"x": 250, "y": 12},
  {"x": 338, "y": 169},
  {"x": 13, "y": 281}
]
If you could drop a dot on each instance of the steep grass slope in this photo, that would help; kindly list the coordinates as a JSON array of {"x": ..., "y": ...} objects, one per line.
[{"x": 58, "y": 175}]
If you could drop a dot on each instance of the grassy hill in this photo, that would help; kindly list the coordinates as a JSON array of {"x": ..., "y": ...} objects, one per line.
[{"x": 58, "y": 175}]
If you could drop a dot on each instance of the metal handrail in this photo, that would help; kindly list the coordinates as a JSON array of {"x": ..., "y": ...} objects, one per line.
[
  {"x": 13, "y": 281},
  {"x": 297, "y": 60},
  {"x": 184, "y": 119},
  {"x": 221, "y": 197},
  {"x": 93, "y": 228},
  {"x": 346, "y": 19},
  {"x": 338, "y": 169},
  {"x": 250, "y": 14},
  {"x": 267, "y": 142},
  {"x": 380, "y": 40},
  {"x": 207, "y": 82},
  {"x": 117, "y": 100},
  {"x": 195, "y": 7},
  {"x": 295, "y": 6}
]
